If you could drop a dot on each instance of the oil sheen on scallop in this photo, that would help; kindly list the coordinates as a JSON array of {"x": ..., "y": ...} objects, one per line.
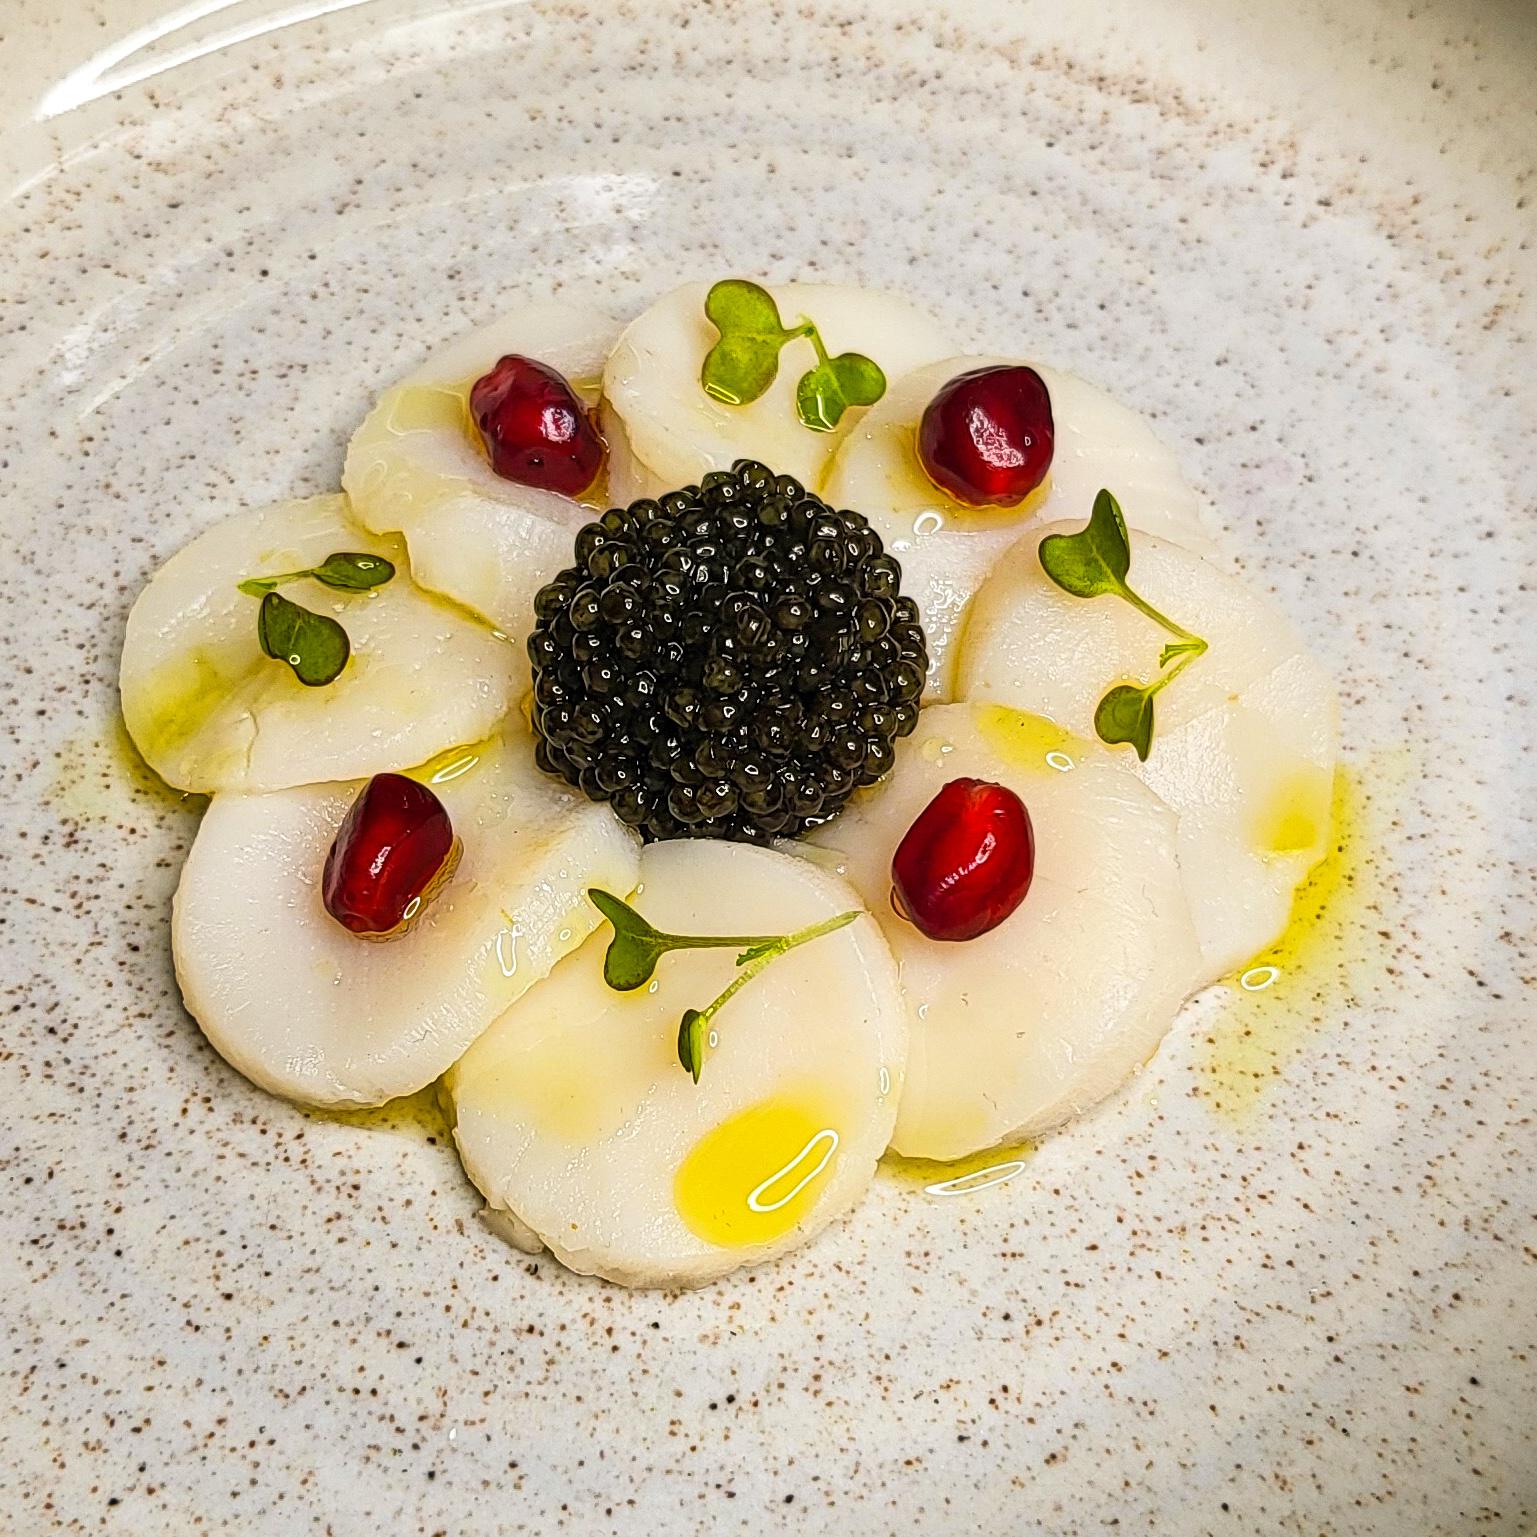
[
  {"x": 209, "y": 711},
  {"x": 575, "y": 1115},
  {"x": 311, "y": 1012},
  {"x": 1032, "y": 1023},
  {"x": 1245, "y": 739}
]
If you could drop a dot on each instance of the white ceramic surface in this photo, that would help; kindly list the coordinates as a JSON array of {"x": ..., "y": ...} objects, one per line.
[{"x": 1286, "y": 1281}]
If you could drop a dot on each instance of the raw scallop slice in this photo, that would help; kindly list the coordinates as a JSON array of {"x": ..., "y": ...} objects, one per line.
[
  {"x": 1100, "y": 443},
  {"x": 1030, "y": 1024},
  {"x": 679, "y": 434},
  {"x": 628, "y": 479},
  {"x": 308, "y": 1010},
  {"x": 575, "y": 1117},
  {"x": 416, "y": 467},
  {"x": 210, "y": 712},
  {"x": 1245, "y": 739},
  {"x": 947, "y": 549}
]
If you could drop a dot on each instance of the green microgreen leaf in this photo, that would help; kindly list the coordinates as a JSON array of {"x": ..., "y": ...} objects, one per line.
[
  {"x": 353, "y": 572},
  {"x": 738, "y": 370},
  {"x": 347, "y": 570},
  {"x": 691, "y": 1042},
  {"x": 739, "y": 307},
  {"x": 744, "y": 362},
  {"x": 314, "y": 645},
  {"x": 637, "y": 946},
  {"x": 1125, "y": 715},
  {"x": 694, "y": 1029},
  {"x": 1096, "y": 559},
  {"x": 828, "y": 390}
]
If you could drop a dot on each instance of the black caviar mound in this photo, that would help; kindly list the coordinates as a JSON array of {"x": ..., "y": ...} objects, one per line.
[{"x": 731, "y": 661}]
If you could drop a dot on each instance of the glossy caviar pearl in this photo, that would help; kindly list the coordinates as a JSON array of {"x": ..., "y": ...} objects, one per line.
[
  {"x": 731, "y": 660},
  {"x": 535, "y": 430},
  {"x": 986, "y": 438},
  {"x": 391, "y": 855},
  {"x": 966, "y": 862}
]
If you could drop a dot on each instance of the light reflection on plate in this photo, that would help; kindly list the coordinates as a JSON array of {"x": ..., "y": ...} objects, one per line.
[{"x": 974, "y": 1180}]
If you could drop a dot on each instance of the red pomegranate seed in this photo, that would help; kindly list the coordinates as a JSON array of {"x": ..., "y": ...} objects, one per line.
[
  {"x": 986, "y": 438},
  {"x": 390, "y": 856},
  {"x": 966, "y": 863},
  {"x": 535, "y": 430}
]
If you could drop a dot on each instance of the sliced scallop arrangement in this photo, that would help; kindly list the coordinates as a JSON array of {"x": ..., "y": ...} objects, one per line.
[
  {"x": 417, "y": 467},
  {"x": 678, "y": 434},
  {"x": 574, "y": 1117},
  {"x": 210, "y": 710},
  {"x": 310, "y": 1011},
  {"x": 947, "y": 548},
  {"x": 589, "y": 583},
  {"x": 1022, "y": 1027},
  {"x": 1246, "y": 737}
]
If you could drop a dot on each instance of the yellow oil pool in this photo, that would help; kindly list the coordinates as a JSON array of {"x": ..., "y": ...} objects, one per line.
[
  {"x": 756, "y": 1175},
  {"x": 426, "y": 1115},
  {"x": 1023, "y": 740},
  {"x": 1307, "y": 978},
  {"x": 960, "y": 1176}
]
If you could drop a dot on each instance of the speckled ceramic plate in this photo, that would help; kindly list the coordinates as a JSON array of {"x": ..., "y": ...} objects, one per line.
[{"x": 1285, "y": 1281}]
